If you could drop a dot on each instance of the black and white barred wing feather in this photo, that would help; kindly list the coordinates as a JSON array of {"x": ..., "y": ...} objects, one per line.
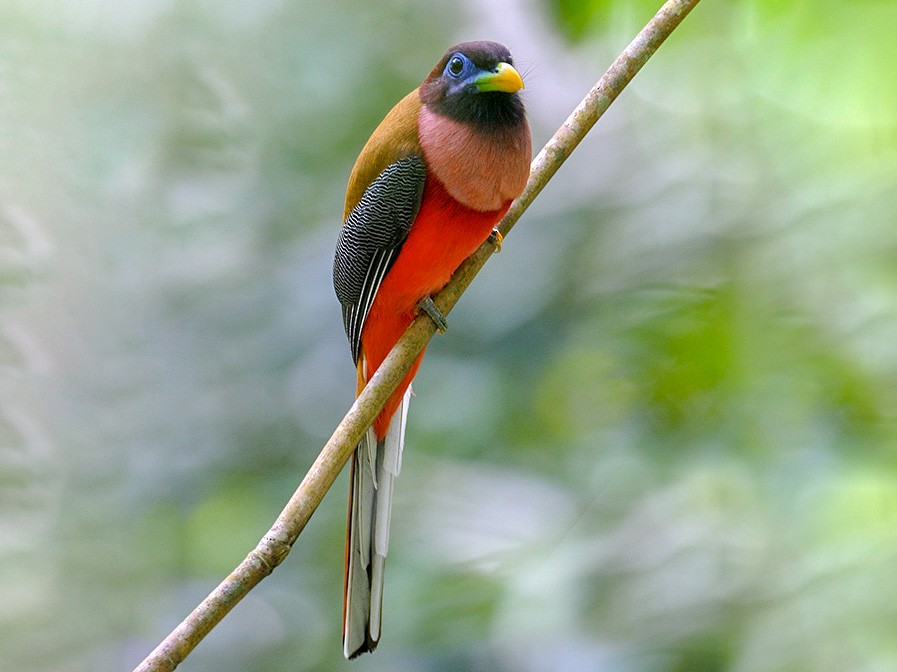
[{"x": 371, "y": 239}]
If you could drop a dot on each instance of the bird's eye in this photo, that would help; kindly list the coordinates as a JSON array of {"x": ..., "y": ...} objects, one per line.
[{"x": 456, "y": 66}]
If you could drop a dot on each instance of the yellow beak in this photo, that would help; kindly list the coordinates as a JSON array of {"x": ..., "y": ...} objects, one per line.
[{"x": 504, "y": 78}]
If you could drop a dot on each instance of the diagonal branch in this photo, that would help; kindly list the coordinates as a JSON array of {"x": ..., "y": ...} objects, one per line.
[{"x": 276, "y": 544}]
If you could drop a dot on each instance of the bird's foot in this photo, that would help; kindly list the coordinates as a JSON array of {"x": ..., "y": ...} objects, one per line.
[
  {"x": 427, "y": 306},
  {"x": 495, "y": 238}
]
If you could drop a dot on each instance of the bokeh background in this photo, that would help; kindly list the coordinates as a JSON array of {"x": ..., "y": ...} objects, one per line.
[{"x": 659, "y": 435}]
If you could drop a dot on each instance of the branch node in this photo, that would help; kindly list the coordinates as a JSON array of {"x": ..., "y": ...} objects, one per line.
[{"x": 270, "y": 552}]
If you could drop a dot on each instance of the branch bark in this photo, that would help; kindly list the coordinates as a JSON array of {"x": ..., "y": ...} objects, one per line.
[{"x": 276, "y": 544}]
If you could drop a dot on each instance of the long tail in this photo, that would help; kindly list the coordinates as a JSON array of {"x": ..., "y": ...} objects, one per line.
[{"x": 375, "y": 466}]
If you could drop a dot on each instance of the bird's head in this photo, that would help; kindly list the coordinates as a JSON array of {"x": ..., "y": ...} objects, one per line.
[{"x": 475, "y": 82}]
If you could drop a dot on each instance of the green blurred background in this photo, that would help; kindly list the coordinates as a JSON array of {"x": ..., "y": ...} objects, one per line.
[{"x": 658, "y": 436}]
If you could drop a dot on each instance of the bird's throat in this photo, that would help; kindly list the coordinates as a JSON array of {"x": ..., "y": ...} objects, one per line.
[{"x": 481, "y": 170}]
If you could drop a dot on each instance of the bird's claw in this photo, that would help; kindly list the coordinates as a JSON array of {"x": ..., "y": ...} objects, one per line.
[
  {"x": 427, "y": 306},
  {"x": 496, "y": 238}
]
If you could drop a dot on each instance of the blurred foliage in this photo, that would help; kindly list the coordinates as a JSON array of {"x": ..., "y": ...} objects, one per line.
[{"x": 669, "y": 448}]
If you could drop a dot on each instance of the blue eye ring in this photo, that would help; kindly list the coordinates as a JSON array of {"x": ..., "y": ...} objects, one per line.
[{"x": 456, "y": 65}]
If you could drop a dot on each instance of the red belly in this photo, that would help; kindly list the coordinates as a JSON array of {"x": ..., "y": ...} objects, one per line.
[{"x": 443, "y": 235}]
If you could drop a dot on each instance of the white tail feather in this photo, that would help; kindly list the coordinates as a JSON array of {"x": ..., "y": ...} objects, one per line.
[{"x": 375, "y": 466}]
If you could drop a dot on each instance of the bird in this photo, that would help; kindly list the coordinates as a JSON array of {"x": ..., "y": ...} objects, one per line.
[{"x": 427, "y": 189}]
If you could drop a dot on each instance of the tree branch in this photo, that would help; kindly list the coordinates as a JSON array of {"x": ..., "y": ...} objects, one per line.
[{"x": 276, "y": 544}]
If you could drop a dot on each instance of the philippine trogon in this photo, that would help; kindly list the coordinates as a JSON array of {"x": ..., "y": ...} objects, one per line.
[{"x": 430, "y": 184}]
